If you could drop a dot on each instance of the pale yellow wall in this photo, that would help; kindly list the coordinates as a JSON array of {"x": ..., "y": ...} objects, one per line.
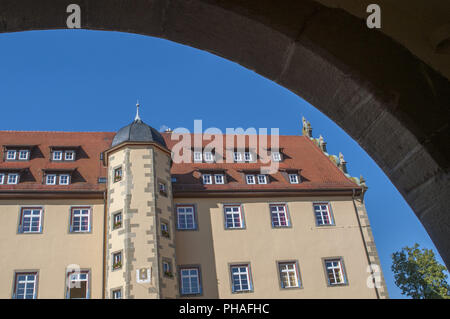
[
  {"x": 214, "y": 248},
  {"x": 53, "y": 250}
]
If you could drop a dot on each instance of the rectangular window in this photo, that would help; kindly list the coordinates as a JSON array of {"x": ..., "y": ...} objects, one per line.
[
  {"x": 209, "y": 157},
  {"x": 117, "y": 260},
  {"x": 190, "y": 281},
  {"x": 207, "y": 178},
  {"x": 197, "y": 156},
  {"x": 11, "y": 155},
  {"x": 25, "y": 285},
  {"x": 240, "y": 278},
  {"x": 167, "y": 269},
  {"x": 335, "y": 272},
  {"x": 262, "y": 179},
  {"x": 219, "y": 179},
  {"x": 50, "y": 179},
  {"x": 2, "y": 178},
  {"x": 13, "y": 178},
  {"x": 165, "y": 230},
  {"x": 186, "y": 217},
  {"x": 276, "y": 156},
  {"x": 30, "y": 220},
  {"x": 23, "y": 155},
  {"x": 64, "y": 179},
  {"x": 237, "y": 157},
  {"x": 118, "y": 174},
  {"x": 233, "y": 216},
  {"x": 69, "y": 155},
  {"x": 293, "y": 178},
  {"x": 279, "y": 215},
  {"x": 289, "y": 275},
  {"x": 57, "y": 155},
  {"x": 323, "y": 214},
  {"x": 248, "y": 156},
  {"x": 80, "y": 220},
  {"x": 250, "y": 179},
  {"x": 117, "y": 294},
  {"x": 162, "y": 188},
  {"x": 78, "y": 285},
  {"x": 117, "y": 220}
]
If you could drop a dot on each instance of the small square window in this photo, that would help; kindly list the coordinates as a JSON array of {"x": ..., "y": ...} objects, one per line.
[
  {"x": 240, "y": 278},
  {"x": 118, "y": 174},
  {"x": 30, "y": 220},
  {"x": 117, "y": 294},
  {"x": 262, "y": 179},
  {"x": 117, "y": 220},
  {"x": 11, "y": 155},
  {"x": 117, "y": 260},
  {"x": 173, "y": 179},
  {"x": 162, "y": 188},
  {"x": 335, "y": 272},
  {"x": 197, "y": 156},
  {"x": 207, "y": 179},
  {"x": 167, "y": 269},
  {"x": 219, "y": 179},
  {"x": 57, "y": 155},
  {"x": 69, "y": 155},
  {"x": 209, "y": 157},
  {"x": 13, "y": 178},
  {"x": 250, "y": 179},
  {"x": 293, "y": 178},
  {"x": 276, "y": 156},
  {"x": 23, "y": 155},
  {"x": 50, "y": 179},
  {"x": 289, "y": 275},
  {"x": 64, "y": 179},
  {"x": 25, "y": 285},
  {"x": 165, "y": 230}
]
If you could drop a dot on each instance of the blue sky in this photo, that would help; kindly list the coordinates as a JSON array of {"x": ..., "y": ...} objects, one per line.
[{"x": 78, "y": 80}]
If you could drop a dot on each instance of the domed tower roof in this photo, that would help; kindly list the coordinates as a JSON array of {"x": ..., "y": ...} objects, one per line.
[{"x": 138, "y": 131}]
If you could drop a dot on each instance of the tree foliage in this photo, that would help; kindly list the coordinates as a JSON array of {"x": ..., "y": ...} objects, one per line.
[{"x": 419, "y": 275}]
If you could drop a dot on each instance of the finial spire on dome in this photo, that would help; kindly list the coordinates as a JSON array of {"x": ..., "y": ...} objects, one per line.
[{"x": 137, "y": 118}]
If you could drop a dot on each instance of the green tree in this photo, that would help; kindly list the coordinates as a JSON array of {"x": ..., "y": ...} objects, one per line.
[{"x": 419, "y": 275}]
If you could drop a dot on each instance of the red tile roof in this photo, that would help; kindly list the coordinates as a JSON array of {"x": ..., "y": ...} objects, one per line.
[{"x": 316, "y": 170}]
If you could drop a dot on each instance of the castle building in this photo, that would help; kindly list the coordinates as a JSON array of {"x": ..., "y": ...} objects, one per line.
[{"x": 113, "y": 215}]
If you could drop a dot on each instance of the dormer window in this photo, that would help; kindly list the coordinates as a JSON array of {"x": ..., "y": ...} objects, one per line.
[
  {"x": 276, "y": 156},
  {"x": 11, "y": 155},
  {"x": 293, "y": 178},
  {"x": 237, "y": 157},
  {"x": 50, "y": 179},
  {"x": 64, "y": 179},
  {"x": 250, "y": 179},
  {"x": 219, "y": 179},
  {"x": 207, "y": 179},
  {"x": 2, "y": 178},
  {"x": 209, "y": 157},
  {"x": 248, "y": 156},
  {"x": 69, "y": 155},
  {"x": 24, "y": 155},
  {"x": 197, "y": 157},
  {"x": 57, "y": 155},
  {"x": 61, "y": 177},
  {"x": 262, "y": 179},
  {"x": 13, "y": 178}
]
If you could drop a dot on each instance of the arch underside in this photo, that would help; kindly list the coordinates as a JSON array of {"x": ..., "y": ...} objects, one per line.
[{"x": 392, "y": 103}]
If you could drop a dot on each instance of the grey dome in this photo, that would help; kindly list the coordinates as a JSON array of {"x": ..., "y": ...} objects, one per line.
[{"x": 138, "y": 131}]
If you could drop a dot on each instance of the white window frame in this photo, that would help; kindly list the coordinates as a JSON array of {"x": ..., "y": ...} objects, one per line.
[
  {"x": 241, "y": 273},
  {"x": 237, "y": 157},
  {"x": 16, "y": 180},
  {"x": 293, "y": 178},
  {"x": 276, "y": 156},
  {"x": 207, "y": 179},
  {"x": 230, "y": 212},
  {"x": 11, "y": 158},
  {"x": 117, "y": 217},
  {"x": 27, "y": 284},
  {"x": 219, "y": 179},
  {"x": 183, "y": 275},
  {"x": 77, "y": 277},
  {"x": 69, "y": 152},
  {"x": 248, "y": 156},
  {"x": 319, "y": 214},
  {"x": 55, "y": 158},
  {"x": 262, "y": 179},
  {"x": 198, "y": 157},
  {"x": 277, "y": 217},
  {"x": 27, "y": 153},
  {"x": 82, "y": 212},
  {"x": 181, "y": 211},
  {"x": 208, "y": 156},
  {"x": 35, "y": 214},
  {"x": 2, "y": 178},
  {"x": 54, "y": 176},
  {"x": 286, "y": 269},
  {"x": 250, "y": 179},
  {"x": 332, "y": 268},
  {"x": 60, "y": 179}
]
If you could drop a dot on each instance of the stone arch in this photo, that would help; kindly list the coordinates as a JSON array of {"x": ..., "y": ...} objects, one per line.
[{"x": 395, "y": 105}]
